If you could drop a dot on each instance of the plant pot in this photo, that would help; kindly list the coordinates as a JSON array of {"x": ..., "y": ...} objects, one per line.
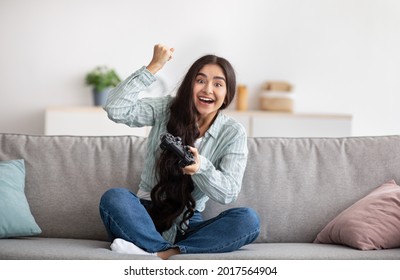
[{"x": 100, "y": 97}]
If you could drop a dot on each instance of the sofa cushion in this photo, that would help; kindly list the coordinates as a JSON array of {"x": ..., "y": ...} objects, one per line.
[
  {"x": 39, "y": 248},
  {"x": 295, "y": 251},
  {"x": 29, "y": 248},
  {"x": 15, "y": 215},
  {"x": 373, "y": 222}
]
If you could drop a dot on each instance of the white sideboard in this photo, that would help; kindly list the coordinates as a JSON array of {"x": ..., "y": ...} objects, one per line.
[
  {"x": 89, "y": 121},
  {"x": 281, "y": 124},
  {"x": 93, "y": 121}
]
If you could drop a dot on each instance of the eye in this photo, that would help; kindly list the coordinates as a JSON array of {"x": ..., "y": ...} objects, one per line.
[
  {"x": 218, "y": 85},
  {"x": 200, "y": 81}
]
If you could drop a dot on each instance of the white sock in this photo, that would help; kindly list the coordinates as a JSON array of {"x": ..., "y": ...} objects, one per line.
[{"x": 124, "y": 247}]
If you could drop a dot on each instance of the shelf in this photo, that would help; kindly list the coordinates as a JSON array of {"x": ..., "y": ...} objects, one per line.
[
  {"x": 284, "y": 124},
  {"x": 94, "y": 121},
  {"x": 90, "y": 121}
]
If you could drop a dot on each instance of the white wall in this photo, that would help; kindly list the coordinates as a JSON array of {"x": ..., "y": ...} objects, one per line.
[{"x": 341, "y": 55}]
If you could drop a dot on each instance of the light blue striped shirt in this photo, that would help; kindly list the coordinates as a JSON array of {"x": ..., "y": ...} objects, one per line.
[{"x": 223, "y": 150}]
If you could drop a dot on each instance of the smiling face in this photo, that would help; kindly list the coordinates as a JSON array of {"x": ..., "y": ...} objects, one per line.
[{"x": 209, "y": 91}]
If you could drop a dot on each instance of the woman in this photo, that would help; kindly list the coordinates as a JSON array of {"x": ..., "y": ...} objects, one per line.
[{"x": 164, "y": 217}]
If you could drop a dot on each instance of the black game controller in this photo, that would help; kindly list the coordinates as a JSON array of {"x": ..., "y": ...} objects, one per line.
[{"x": 174, "y": 144}]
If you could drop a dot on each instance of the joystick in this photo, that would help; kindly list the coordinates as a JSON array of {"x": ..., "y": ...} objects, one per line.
[{"x": 174, "y": 144}]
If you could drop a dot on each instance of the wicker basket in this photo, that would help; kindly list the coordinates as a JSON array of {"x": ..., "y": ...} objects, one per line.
[{"x": 272, "y": 101}]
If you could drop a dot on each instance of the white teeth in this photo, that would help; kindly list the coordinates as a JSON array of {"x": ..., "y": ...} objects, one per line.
[{"x": 205, "y": 99}]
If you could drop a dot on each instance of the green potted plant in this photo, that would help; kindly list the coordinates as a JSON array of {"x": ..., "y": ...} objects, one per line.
[{"x": 102, "y": 79}]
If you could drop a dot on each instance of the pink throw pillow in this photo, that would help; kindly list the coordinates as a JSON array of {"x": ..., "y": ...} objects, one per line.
[{"x": 371, "y": 223}]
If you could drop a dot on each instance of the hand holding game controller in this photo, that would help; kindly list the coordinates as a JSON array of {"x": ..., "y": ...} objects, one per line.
[{"x": 174, "y": 144}]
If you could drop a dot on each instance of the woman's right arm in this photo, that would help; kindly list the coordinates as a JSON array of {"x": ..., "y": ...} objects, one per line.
[{"x": 123, "y": 104}]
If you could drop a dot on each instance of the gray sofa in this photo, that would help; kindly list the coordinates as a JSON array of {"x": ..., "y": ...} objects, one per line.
[{"x": 297, "y": 185}]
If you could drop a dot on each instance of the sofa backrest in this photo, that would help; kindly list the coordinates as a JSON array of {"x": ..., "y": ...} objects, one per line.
[
  {"x": 297, "y": 185},
  {"x": 66, "y": 176}
]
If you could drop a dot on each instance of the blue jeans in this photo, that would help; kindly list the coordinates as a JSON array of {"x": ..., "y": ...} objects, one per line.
[{"x": 125, "y": 216}]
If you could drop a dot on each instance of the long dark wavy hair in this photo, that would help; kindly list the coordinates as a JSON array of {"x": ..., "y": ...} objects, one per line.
[{"x": 172, "y": 194}]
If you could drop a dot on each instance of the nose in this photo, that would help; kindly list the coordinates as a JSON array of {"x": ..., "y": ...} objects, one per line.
[{"x": 208, "y": 88}]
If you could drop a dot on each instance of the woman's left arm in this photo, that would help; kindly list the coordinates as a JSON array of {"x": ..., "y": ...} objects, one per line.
[{"x": 222, "y": 182}]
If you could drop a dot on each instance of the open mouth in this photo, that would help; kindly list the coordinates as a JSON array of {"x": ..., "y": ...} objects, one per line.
[{"x": 206, "y": 100}]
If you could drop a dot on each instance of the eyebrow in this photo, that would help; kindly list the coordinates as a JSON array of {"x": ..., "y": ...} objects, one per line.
[{"x": 215, "y": 77}]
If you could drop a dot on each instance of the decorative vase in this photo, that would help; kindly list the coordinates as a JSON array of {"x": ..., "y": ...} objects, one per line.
[{"x": 100, "y": 97}]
